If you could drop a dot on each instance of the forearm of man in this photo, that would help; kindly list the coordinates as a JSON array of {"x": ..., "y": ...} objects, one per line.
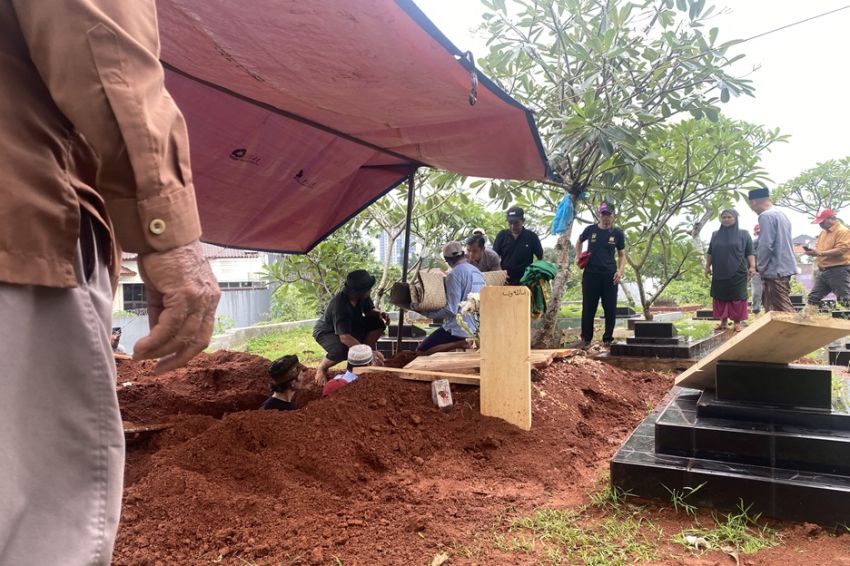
[
  {"x": 708, "y": 261},
  {"x": 621, "y": 264},
  {"x": 100, "y": 61},
  {"x": 348, "y": 340}
]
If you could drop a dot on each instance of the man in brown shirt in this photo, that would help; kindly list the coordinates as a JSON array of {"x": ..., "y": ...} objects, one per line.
[
  {"x": 95, "y": 158},
  {"x": 832, "y": 255}
]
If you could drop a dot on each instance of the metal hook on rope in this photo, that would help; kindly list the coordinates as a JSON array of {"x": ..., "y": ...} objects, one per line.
[{"x": 473, "y": 75}]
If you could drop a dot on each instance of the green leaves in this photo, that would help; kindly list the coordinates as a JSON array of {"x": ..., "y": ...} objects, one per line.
[{"x": 826, "y": 185}]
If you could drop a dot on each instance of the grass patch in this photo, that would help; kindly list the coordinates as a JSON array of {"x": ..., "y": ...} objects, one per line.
[
  {"x": 573, "y": 537},
  {"x": 678, "y": 498},
  {"x": 297, "y": 341},
  {"x": 738, "y": 531},
  {"x": 840, "y": 395},
  {"x": 694, "y": 329}
]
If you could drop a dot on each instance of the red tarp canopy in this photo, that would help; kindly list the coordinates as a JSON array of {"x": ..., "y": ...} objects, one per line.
[{"x": 303, "y": 112}]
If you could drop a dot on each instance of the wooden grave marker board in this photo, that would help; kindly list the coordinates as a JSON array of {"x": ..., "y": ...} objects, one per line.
[
  {"x": 776, "y": 338},
  {"x": 505, "y": 345}
]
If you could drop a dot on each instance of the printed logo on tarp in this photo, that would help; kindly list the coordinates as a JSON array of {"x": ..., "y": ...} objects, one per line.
[{"x": 241, "y": 154}]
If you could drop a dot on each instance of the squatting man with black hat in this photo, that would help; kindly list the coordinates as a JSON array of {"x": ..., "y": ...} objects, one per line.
[
  {"x": 517, "y": 246},
  {"x": 349, "y": 319},
  {"x": 463, "y": 279}
]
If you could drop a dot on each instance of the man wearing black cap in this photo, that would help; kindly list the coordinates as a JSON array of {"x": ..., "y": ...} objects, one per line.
[
  {"x": 349, "y": 319},
  {"x": 517, "y": 246},
  {"x": 775, "y": 259},
  {"x": 602, "y": 272}
]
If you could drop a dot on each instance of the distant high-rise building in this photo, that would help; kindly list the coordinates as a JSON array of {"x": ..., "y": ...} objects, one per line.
[{"x": 397, "y": 253}]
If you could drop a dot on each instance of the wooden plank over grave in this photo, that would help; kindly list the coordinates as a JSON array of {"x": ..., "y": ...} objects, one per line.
[
  {"x": 778, "y": 338},
  {"x": 470, "y": 361},
  {"x": 505, "y": 344},
  {"x": 423, "y": 375}
]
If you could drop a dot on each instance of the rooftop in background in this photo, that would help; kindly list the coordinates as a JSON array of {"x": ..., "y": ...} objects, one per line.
[
  {"x": 301, "y": 114},
  {"x": 211, "y": 251}
]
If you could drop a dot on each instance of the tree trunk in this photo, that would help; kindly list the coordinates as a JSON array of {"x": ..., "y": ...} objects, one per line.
[
  {"x": 382, "y": 286},
  {"x": 627, "y": 293},
  {"x": 644, "y": 303},
  {"x": 549, "y": 335}
]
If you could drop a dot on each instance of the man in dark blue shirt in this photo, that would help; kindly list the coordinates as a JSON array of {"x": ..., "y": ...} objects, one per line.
[
  {"x": 517, "y": 246},
  {"x": 602, "y": 273}
]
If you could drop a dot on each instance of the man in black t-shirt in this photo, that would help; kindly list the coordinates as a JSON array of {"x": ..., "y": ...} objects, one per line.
[
  {"x": 517, "y": 246},
  {"x": 602, "y": 273},
  {"x": 349, "y": 319}
]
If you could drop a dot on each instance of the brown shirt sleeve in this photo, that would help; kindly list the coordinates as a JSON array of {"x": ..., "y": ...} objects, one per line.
[{"x": 100, "y": 62}]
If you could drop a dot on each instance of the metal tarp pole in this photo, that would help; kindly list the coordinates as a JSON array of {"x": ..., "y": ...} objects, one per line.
[{"x": 411, "y": 183}]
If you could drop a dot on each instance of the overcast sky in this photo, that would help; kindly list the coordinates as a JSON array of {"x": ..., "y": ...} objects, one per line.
[{"x": 801, "y": 82}]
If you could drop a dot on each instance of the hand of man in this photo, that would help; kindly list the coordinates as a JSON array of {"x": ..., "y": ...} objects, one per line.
[
  {"x": 751, "y": 272},
  {"x": 617, "y": 277},
  {"x": 377, "y": 358},
  {"x": 182, "y": 298},
  {"x": 385, "y": 317},
  {"x": 708, "y": 271}
]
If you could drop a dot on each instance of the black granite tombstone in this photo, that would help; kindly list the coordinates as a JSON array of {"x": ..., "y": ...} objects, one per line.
[{"x": 773, "y": 436}]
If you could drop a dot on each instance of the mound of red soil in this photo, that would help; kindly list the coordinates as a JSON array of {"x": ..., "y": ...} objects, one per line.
[
  {"x": 374, "y": 474},
  {"x": 211, "y": 384}
]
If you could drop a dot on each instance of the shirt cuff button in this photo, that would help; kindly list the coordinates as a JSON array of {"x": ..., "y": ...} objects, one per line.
[{"x": 157, "y": 226}]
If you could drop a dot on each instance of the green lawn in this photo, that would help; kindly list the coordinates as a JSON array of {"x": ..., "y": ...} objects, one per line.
[
  {"x": 695, "y": 329},
  {"x": 297, "y": 341}
]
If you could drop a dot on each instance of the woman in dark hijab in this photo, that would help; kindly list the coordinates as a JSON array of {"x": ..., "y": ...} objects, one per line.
[{"x": 731, "y": 263}]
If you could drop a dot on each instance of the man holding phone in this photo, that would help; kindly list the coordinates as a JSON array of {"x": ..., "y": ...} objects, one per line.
[{"x": 832, "y": 256}]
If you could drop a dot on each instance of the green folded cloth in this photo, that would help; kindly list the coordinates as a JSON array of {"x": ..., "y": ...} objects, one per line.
[{"x": 536, "y": 278}]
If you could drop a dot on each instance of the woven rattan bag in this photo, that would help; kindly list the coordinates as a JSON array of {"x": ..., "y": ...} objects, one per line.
[{"x": 428, "y": 291}]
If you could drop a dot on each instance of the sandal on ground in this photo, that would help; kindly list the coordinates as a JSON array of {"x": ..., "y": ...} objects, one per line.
[{"x": 737, "y": 327}]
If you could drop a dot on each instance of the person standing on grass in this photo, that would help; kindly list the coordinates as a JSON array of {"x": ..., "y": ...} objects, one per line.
[
  {"x": 775, "y": 260},
  {"x": 95, "y": 159},
  {"x": 731, "y": 263},
  {"x": 517, "y": 246},
  {"x": 602, "y": 273}
]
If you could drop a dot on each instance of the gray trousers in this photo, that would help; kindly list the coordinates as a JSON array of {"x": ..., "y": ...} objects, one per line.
[
  {"x": 61, "y": 438},
  {"x": 757, "y": 291},
  {"x": 831, "y": 280}
]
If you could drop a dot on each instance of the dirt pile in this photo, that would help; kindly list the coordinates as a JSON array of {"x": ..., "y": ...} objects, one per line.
[
  {"x": 211, "y": 384},
  {"x": 373, "y": 475}
]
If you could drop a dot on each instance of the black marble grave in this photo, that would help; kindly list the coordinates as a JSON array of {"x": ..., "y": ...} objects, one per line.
[
  {"x": 773, "y": 440},
  {"x": 658, "y": 340},
  {"x": 798, "y": 302},
  {"x": 839, "y": 356},
  {"x": 625, "y": 312},
  {"x": 412, "y": 336},
  {"x": 774, "y": 384},
  {"x": 704, "y": 314}
]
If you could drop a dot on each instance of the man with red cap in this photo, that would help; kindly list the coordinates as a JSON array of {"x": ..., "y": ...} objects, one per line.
[{"x": 832, "y": 255}]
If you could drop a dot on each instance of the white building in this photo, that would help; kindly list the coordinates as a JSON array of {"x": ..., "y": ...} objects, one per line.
[{"x": 234, "y": 269}]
